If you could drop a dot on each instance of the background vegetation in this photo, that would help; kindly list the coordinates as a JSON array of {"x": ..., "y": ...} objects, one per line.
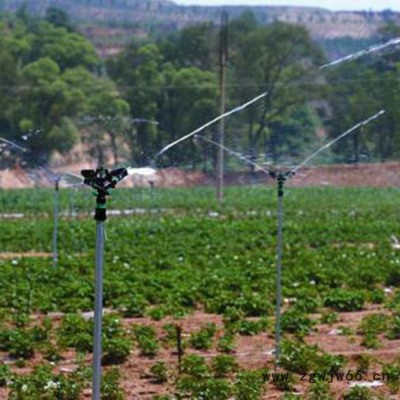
[{"x": 56, "y": 92}]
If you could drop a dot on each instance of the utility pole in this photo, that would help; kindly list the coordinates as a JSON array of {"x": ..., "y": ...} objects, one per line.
[{"x": 223, "y": 58}]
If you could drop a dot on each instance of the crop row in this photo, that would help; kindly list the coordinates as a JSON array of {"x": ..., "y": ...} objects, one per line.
[{"x": 339, "y": 256}]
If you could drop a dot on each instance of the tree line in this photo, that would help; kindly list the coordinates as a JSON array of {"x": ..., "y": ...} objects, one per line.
[{"x": 56, "y": 92}]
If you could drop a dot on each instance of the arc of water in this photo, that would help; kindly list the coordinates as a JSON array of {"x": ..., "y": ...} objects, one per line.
[
  {"x": 291, "y": 172},
  {"x": 281, "y": 178},
  {"x": 235, "y": 153},
  {"x": 79, "y": 178},
  {"x": 326, "y": 146},
  {"x": 206, "y": 125},
  {"x": 144, "y": 171},
  {"x": 349, "y": 57},
  {"x": 361, "y": 53},
  {"x": 13, "y": 144}
]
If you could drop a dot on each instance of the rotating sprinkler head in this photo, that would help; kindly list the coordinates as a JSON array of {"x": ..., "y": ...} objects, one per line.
[{"x": 102, "y": 180}]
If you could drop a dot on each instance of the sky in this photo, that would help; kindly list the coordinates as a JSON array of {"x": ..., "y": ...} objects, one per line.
[{"x": 333, "y": 5}]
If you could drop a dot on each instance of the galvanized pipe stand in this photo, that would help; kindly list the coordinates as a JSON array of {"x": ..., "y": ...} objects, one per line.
[
  {"x": 102, "y": 181},
  {"x": 280, "y": 179}
]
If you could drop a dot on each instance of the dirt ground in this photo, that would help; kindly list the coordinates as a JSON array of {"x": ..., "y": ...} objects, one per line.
[
  {"x": 250, "y": 352},
  {"x": 370, "y": 175},
  {"x": 367, "y": 175},
  {"x": 256, "y": 352}
]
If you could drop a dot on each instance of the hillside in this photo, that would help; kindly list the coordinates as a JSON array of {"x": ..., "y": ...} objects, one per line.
[{"x": 167, "y": 16}]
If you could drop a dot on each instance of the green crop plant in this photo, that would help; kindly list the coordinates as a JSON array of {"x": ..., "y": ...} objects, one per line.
[
  {"x": 223, "y": 365},
  {"x": 110, "y": 386},
  {"x": 146, "y": 339},
  {"x": 295, "y": 321},
  {"x": 329, "y": 317},
  {"x": 345, "y": 300},
  {"x": 203, "y": 338},
  {"x": 391, "y": 372},
  {"x": 5, "y": 375},
  {"x": 160, "y": 372},
  {"x": 226, "y": 343},
  {"x": 358, "y": 393},
  {"x": 249, "y": 385},
  {"x": 319, "y": 390}
]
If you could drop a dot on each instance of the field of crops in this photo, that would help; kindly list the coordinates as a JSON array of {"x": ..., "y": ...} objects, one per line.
[{"x": 189, "y": 295}]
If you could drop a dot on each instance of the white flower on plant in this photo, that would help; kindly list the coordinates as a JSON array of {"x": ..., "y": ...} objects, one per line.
[{"x": 51, "y": 385}]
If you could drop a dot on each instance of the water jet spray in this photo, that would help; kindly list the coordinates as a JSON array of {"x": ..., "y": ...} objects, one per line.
[{"x": 281, "y": 178}]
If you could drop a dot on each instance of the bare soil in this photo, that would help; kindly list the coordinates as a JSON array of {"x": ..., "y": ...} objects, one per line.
[
  {"x": 368, "y": 175},
  {"x": 364, "y": 175},
  {"x": 256, "y": 352},
  {"x": 250, "y": 352}
]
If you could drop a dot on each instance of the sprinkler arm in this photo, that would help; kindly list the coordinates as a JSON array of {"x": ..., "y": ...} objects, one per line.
[{"x": 102, "y": 181}]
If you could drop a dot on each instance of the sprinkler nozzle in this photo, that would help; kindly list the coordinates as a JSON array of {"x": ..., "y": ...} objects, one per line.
[{"x": 102, "y": 181}]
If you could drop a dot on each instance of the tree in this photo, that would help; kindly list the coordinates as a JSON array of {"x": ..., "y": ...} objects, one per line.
[
  {"x": 241, "y": 26},
  {"x": 59, "y": 17},
  {"x": 8, "y": 81},
  {"x": 44, "y": 101},
  {"x": 138, "y": 72},
  {"x": 101, "y": 115},
  {"x": 352, "y": 100},
  {"x": 292, "y": 133},
  {"x": 190, "y": 100},
  {"x": 47, "y": 86},
  {"x": 113, "y": 114},
  {"x": 67, "y": 49},
  {"x": 360, "y": 89},
  {"x": 281, "y": 60},
  {"x": 177, "y": 98},
  {"x": 193, "y": 46}
]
